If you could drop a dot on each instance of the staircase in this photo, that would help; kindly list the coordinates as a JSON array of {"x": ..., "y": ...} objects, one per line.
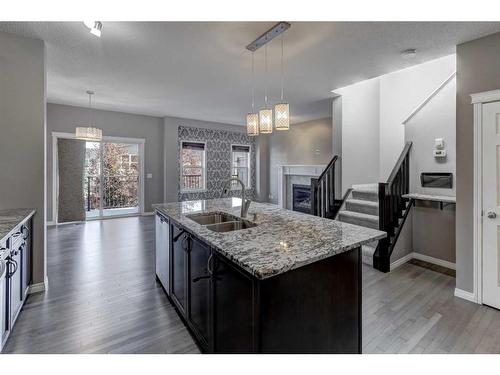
[
  {"x": 379, "y": 206},
  {"x": 361, "y": 208}
]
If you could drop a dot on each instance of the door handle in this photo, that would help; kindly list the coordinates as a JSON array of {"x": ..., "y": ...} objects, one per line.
[{"x": 491, "y": 215}]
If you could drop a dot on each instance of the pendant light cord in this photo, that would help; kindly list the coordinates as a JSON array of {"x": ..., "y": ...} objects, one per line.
[
  {"x": 282, "y": 74},
  {"x": 253, "y": 84},
  {"x": 90, "y": 109},
  {"x": 265, "y": 86}
]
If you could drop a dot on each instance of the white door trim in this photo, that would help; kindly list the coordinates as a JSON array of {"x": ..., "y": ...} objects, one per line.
[
  {"x": 478, "y": 99},
  {"x": 140, "y": 141}
]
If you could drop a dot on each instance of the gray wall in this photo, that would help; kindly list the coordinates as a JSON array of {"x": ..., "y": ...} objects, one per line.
[
  {"x": 478, "y": 69},
  {"x": 170, "y": 151},
  {"x": 63, "y": 118},
  {"x": 22, "y": 124},
  {"x": 305, "y": 143}
]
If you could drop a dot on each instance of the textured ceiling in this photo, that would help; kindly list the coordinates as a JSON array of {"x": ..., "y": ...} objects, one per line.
[{"x": 201, "y": 70}]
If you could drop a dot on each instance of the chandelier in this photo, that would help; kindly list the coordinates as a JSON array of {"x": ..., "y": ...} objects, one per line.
[
  {"x": 262, "y": 122},
  {"x": 90, "y": 132}
]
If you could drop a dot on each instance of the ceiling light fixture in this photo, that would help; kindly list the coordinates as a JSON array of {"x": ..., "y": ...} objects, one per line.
[
  {"x": 266, "y": 113},
  {"x": 281, "y": 110},
  {"x": 253, "y": 117},
  {"x": 89, "y": 133},
  {"x": 95, "y": 27},
  {"x": 263, "y": 121}
]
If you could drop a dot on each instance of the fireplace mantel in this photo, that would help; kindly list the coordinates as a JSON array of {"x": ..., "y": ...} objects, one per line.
[{"x": 285, "y": 172}]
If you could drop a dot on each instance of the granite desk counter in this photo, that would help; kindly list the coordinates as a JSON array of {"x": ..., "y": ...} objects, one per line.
[{"x": 290, "y": 284}]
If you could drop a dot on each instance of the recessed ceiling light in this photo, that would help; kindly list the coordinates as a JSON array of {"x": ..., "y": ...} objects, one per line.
[
  {"x": 409, "y": 53},
  {"x": 95, "y": 27}
]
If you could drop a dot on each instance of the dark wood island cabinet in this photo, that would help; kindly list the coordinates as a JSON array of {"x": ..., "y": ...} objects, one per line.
[{"x": 314, "y": 308}]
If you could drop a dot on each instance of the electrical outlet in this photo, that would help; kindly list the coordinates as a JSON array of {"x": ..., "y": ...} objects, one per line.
[{"x": 149, "y": 175}]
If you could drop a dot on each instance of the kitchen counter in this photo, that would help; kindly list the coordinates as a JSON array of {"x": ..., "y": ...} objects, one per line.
[
  {"x": 10, "y": 219},
  {"x": 282, "y": 241}
]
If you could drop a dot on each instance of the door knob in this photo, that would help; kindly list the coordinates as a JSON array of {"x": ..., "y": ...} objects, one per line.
[{"x": 491, "y": 215}]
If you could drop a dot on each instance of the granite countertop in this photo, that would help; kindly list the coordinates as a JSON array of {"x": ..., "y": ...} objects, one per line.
[
  {"x": 282, "y": 241},
  {"x": 10, "y": 219}
]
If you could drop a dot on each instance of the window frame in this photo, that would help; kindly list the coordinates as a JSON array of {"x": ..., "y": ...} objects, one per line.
[
  {"x": 249, "y": 185},
  {"x": 203, "y": 168}
]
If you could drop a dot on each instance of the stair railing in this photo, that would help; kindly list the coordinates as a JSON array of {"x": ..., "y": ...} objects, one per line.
[
  {"x": 392, "y": 208},
  {"x": 323, "y": 201}
]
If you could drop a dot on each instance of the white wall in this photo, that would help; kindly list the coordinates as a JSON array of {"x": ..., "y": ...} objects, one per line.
[
  {"x": 360, "y": 133},
  {"x": 400, "y": 93}
]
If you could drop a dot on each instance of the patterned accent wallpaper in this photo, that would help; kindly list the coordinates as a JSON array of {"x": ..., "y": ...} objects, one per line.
[{"x": 218, "y": 154}]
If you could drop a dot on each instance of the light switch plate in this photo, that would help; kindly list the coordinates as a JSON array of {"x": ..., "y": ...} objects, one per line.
[{"x": 149, "y": 175}]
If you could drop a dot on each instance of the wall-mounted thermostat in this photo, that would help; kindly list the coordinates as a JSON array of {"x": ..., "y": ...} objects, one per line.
[{"x": 439, "y": 153}]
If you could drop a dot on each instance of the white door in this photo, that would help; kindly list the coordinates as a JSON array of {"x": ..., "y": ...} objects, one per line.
[{"x": 491, "y": 204}]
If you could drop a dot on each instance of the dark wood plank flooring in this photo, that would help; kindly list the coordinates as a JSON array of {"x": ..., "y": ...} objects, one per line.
[{"x": 103, "y": 298}]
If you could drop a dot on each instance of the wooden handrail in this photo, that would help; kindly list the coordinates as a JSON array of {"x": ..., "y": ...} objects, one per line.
[
  {"x": 332, "y": 162},
  {"x": 392, "y": 207},
  {"x": 400, "y": 161},
  {"x": 323, "y": 191}
]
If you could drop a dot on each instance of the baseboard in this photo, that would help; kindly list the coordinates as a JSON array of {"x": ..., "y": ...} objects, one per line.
[
  {"x": 51, "y": 223},
  {"x": 460, "y": 293},
  {"x": 149, "y": 213},
  {"x": 401, "y": 261},
  {"x": 38, "y": 287},
  {"x": 436, "y": 261}
]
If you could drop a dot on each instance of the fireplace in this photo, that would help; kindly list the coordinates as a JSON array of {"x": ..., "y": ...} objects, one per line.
[{"x": 302, "y": 198}]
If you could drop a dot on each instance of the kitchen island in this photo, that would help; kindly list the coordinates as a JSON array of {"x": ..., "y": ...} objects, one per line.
[{"x": 278, "y": 282}]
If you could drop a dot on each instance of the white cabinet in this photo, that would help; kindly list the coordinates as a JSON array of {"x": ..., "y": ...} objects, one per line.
[
  {"x": 162, "y": 251},
  {"x": 3, "y": 302}
]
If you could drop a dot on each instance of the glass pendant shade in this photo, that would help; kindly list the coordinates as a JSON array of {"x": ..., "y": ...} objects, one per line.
[
  {"x": 282, "y": 116},
  {"x": 266, "y": 121},
  {"x": 253, "y": 124},
  {"x": 88, "y": 133}
]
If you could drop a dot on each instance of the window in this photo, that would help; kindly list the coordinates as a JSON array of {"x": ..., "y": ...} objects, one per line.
[
  {"x": 193, "y": 166},
  {"x": 240, "y": 156}
]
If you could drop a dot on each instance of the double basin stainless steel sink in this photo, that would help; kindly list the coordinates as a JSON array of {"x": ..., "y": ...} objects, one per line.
[{"x": 221, "y": 221}]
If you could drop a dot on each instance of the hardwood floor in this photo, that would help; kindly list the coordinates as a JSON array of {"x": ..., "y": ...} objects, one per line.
[{"x": 103, "y": 298}]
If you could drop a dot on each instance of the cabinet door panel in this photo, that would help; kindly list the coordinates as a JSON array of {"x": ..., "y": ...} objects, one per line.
[
  {"x": 15, "y": 288},
  {"x": 233, "y": 309},
  {"x": 180, "y": 245},
  {"x": 199, "y": 305}
]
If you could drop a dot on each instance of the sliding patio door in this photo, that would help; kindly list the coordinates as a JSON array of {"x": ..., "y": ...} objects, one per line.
[{"x": 112, "y": 179}]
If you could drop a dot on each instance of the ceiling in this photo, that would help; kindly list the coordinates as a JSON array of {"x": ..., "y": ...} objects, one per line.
[{"x": 201, "y": 70}]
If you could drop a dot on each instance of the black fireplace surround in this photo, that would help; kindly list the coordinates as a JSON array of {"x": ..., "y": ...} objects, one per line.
[{"x": 301, "y": 198}]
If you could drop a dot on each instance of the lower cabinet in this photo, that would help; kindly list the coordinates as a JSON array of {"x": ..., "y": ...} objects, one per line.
[
  {"x": 16, "y": 279},
  {"x": 180, "y": 247},
  {"x": 200, "y": 289},
  {"x": 214, "y": 298},
  {"x": 233, "y": 309}
]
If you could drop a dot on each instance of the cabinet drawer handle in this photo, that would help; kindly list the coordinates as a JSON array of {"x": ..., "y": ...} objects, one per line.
[
  {"x": 198, "y": 278},
  {"x": 180, "y": 234}
]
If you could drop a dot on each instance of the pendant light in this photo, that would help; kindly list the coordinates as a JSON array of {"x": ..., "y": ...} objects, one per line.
[
  {"x": 89, "y": 133},
  {"x": 266, "y": 113},
  {"x": 253, "y": 117},
  {"x": 282, "y": 109}
]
